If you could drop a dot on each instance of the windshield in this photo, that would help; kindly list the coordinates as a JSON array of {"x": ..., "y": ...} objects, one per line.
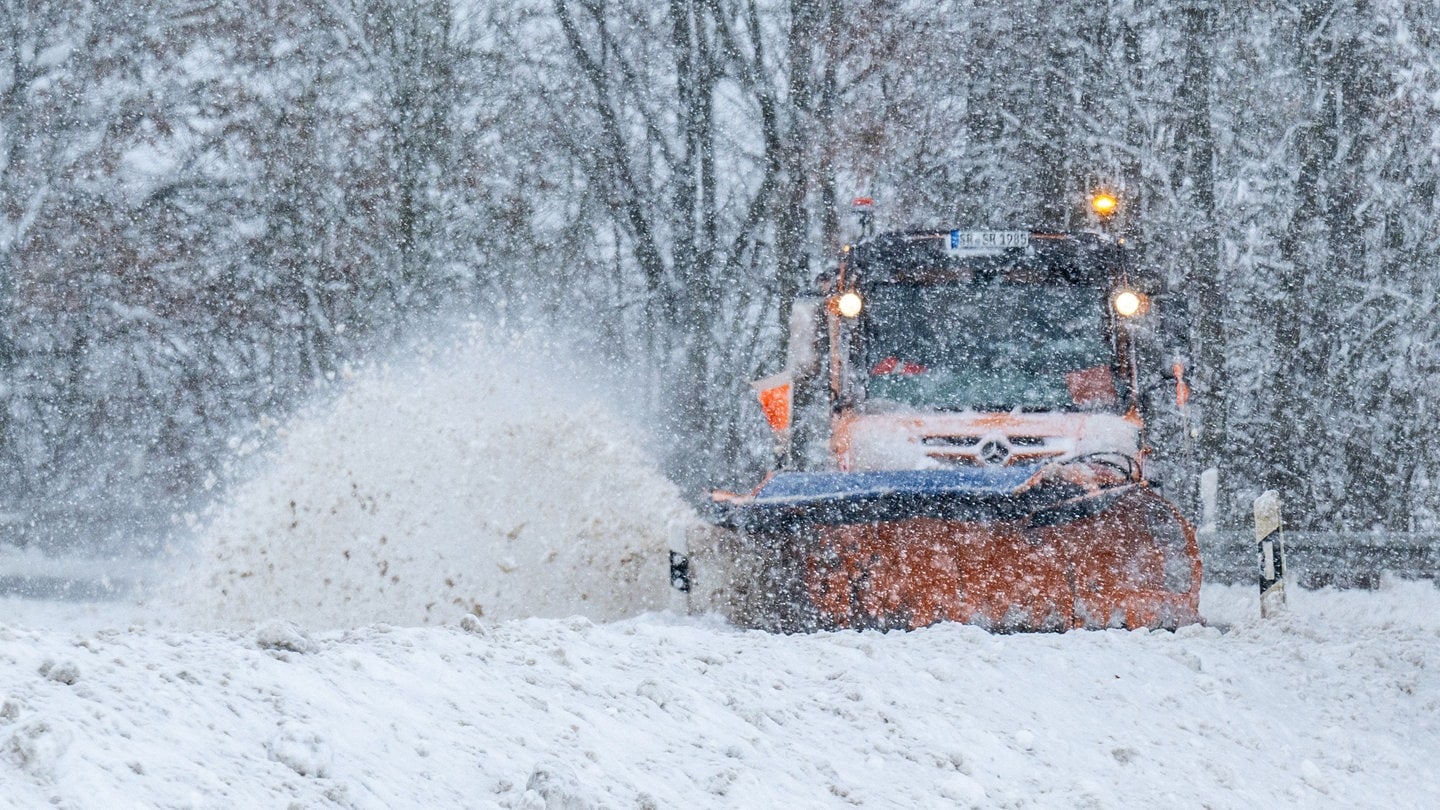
[{"x": 988, "y": 345}]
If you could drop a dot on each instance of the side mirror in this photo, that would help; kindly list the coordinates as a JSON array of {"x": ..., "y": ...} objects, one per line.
[{"x": 1175, "y": 374}]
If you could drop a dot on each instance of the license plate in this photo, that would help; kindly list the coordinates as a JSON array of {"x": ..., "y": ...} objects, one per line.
[{"x": 988, "y": 240}]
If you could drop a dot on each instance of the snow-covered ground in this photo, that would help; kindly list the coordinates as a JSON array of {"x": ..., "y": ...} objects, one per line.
[
  {"x": 1336, "y": 705},
  {"x": 430, "y": 598}
]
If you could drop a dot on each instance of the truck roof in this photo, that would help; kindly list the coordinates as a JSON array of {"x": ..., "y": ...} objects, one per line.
[{"x": 933, "y": 256}]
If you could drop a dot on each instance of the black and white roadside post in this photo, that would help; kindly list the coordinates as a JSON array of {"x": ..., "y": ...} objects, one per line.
[{"x": 1271, "y": 542}]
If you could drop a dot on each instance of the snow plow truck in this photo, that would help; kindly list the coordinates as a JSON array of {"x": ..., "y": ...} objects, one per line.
[{"x": 976, "y": 450}]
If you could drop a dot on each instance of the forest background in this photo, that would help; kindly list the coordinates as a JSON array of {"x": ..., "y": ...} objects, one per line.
[{"x": 210, "y": 209}]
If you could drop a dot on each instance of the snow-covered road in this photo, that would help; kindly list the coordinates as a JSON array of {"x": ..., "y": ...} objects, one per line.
[{"x": 1338, "y": 705}]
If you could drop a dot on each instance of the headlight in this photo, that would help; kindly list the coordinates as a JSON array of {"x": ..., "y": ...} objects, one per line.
[
  {"x": 849, "y": 304},
  {"x": 1128, "y": 303}
]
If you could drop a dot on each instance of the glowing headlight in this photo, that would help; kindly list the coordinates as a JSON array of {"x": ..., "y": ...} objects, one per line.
[
  {"x": 849, "y": 304},
  {"x": 1104, "y": 204},
  {"x": 1127, "y": 303}
]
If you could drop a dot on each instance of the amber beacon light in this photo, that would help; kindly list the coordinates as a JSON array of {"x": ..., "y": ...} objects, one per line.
[{"x": 1104, "y": 204}]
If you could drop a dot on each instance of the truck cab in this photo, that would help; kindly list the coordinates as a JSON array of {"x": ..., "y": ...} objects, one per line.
[{"x": 984, "y": 349}]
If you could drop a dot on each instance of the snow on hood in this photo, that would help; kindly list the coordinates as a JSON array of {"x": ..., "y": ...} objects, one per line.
[{"x": 470, "y": 483}]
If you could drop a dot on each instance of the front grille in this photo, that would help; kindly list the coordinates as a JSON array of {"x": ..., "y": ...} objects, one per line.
[
  {"x": 957, "y": 461},
  {"x": 971, "y": 441},
  {"x": 951, "y": 441}
]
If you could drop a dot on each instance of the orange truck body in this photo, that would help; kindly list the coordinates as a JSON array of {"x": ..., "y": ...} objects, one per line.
[{"x": 929, "y": 503}]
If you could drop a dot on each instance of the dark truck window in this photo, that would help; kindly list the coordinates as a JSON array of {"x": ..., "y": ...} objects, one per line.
[{"x": 988, "y": 345}]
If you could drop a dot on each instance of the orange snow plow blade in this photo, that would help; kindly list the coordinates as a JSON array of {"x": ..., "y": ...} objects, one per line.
[{"x": 1044, "y": 555}]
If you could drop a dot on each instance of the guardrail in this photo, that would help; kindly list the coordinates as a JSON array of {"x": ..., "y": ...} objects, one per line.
[
  {"x": 1317, "y": 559},
  {"x": 86, "y": 533}
]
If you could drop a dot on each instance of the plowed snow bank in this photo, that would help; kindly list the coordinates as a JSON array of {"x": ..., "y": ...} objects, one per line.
[{"x": 474, "y": 483}]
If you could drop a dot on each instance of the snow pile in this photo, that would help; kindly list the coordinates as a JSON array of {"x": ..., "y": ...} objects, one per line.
[
  {"x": 1335, "y": 705},
  {"x": 472, "y": 484}
]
